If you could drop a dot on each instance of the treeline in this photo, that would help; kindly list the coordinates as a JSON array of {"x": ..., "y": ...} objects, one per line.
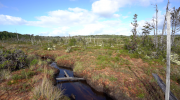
[{"x": 6, "y": 35}]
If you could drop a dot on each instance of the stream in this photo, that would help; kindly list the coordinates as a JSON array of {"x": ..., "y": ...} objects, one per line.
[{"x": 80, "y": 89}]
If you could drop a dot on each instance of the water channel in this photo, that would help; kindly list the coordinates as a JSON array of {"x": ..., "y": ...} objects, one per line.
[{"x": 80, "y": 89}]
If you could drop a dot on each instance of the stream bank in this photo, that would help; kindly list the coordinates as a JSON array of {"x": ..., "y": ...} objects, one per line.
[{"x": 80, "y": 90}]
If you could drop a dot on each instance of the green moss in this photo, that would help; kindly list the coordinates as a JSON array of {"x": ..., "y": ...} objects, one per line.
[
  {"x": 61, "y": 57},
  {"x": 33, "y": 62},
  {"x": 17, "y": 77},
  {"x": 112, "y": 78},
  {"x": 141, "y": 95}
]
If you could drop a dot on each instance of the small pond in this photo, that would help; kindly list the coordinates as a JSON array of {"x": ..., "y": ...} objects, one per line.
[{"x": 80, "y": 89}]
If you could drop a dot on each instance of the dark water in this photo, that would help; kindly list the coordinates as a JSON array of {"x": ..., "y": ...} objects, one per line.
[{"x": 80, "y": 89}]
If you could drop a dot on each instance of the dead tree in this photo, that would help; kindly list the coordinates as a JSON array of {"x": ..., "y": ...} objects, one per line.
[
  {"x": 153, "y": 26},
  {"x": 161, "y": 42},
  {"x": 17, "y": 36},
  {"x": 168, "y": 56},
  {"x": 156, "y": 26},
  {"x": 175, "y": 17},
  {"x": 31, "y": 38}
]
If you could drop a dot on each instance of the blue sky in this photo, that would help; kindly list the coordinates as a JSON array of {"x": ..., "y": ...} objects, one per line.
[{"x": 78, "y": 17}]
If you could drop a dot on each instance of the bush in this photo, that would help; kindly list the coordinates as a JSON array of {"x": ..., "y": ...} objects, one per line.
[{"x": 12, "y": 59}]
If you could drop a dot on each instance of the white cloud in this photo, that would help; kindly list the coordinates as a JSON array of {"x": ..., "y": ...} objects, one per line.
[
  {"x": 106, "y": 8},
  {"x": 10, "y": 20},
  {"x": 116, "y": 15},
  {"x": 124, "y": 17},
  {"x": 105, "y": 27},
  {"x": 70, "y": 17}
]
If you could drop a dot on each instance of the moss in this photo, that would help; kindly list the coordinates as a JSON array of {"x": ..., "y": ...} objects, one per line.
[{"x": 33, "y": 62}]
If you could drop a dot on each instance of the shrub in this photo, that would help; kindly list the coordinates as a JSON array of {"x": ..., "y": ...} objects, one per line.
[{"x": 12, "y": 59}]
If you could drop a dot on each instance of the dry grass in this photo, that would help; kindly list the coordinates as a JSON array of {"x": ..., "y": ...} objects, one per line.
[
  {"x": 48, "y": 71},
  {"x": 47, "y": 91},
  {"x": 32, "y": 67}
]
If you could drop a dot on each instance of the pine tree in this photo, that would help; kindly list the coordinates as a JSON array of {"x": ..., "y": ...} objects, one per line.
[{"x": 146, "y": 31}]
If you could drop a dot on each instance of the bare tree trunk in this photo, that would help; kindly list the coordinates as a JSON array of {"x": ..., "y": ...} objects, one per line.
[
  {"x": 168, "y": 56},
  {"x": 17, "y": 36},
  {"x": 94, "y": 40},
  {"x": 164, "y": 25},
  {"x": 40, "y": 42},
  {"x": 31, "y": 40},
  {"x": 156, "y": 26},
  {"x": 153, "y": 25}
]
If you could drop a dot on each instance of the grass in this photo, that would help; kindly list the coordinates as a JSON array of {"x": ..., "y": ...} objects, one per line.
[
  {"x": 34, "y": 62},
  {"x": 24, "y": 75},
  {"x": 17, "y": 77},
  {"x": 103, "y": 76},
  {"x": 12, "y": 82},
  {"x": 111, "y": 78},
  {"x": 141, "y": 95},
  {"x": 107, "y": 61},
  {"x": 47, "y": 91},
  {"x": 78, "y": 67},
  {"x": 5, "y": 74},
  {"x": 61, "y": 57},
  {"x": 48, "y": 71}
]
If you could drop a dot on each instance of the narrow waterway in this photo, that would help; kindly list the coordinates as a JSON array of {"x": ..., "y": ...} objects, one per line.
[{"x": 80, "y": 89}]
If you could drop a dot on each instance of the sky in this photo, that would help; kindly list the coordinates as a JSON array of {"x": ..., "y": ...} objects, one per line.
[{"x": 79, "y": 17}]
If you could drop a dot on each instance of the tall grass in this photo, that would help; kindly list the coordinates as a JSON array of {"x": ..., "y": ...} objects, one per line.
[
  {"x": 48, "y": 71},
  {"x": 47, "y": 91}
]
